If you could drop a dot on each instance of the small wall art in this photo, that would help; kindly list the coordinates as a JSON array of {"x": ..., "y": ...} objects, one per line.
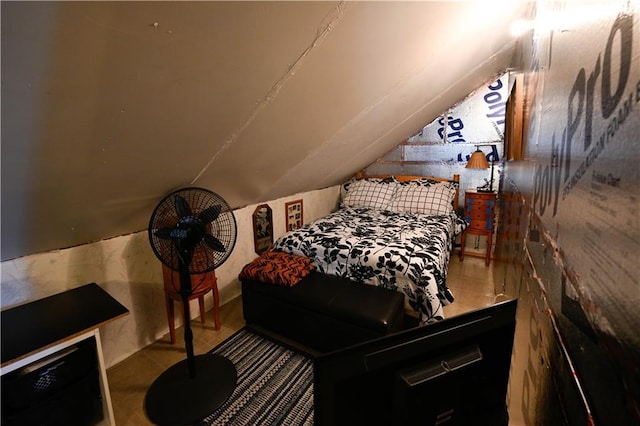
[
  {"x": 262, "y": 228},
  {"x": 294, "y": 214}
]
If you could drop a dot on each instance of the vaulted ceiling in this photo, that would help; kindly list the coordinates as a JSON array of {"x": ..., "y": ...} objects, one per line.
[{"x": 108, "y": 106}]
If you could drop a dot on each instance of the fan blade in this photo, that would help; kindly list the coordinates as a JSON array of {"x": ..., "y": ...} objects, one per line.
[
  {"x": 214, "y": 243},
  {"x": 210, "y": 214},
  {"x": 170, "y": 233},
  {"x": 182, "y": 207}
]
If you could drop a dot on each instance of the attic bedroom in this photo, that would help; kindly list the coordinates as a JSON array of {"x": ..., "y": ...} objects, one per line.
[{"x": 295, "y": 114}]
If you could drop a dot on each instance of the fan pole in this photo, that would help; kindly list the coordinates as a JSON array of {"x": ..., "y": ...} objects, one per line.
[{"x": 185, "y": 292}]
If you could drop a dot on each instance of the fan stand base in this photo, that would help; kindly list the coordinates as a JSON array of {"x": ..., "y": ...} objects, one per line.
[{"x": 176, "y": 399}]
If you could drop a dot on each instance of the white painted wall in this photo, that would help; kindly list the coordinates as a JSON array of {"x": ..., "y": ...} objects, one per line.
[{"x": 127, "y": 269}]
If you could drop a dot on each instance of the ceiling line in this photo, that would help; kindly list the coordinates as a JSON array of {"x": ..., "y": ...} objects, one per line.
[{"x": 334, "y": 17}]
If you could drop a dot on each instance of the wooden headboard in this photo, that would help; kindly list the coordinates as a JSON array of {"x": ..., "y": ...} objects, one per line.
[{"x": 404, "y": 178}]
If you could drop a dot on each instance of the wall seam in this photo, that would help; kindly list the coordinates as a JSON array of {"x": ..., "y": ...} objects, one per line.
[{"x": 333, "y": 18}]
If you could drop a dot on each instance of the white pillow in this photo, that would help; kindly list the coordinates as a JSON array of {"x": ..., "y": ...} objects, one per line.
[
  {"x": 372, "y": 194},
  {"x": 435, "y": 199}
]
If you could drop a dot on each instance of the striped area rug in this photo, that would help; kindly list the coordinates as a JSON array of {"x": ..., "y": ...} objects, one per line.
[{"x": 275, "y": 384}]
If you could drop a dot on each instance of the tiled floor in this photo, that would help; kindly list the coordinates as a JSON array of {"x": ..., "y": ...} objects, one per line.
[
  {"x": 470, "y": 281},
  {"x": 472, "y": 285}
]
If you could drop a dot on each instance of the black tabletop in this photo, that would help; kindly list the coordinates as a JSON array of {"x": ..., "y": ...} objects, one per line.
[{"x": 36, "y": 325}]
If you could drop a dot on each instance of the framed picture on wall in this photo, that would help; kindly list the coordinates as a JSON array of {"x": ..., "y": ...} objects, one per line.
[
  {"x": 293, "y": 210},
  {"x": 262, "y": 228}
]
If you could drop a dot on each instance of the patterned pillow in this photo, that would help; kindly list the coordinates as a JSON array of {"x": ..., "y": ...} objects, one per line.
[
  {"x": 426, "y": 182},
  {"x": 345, "y": 187},
  {"x": 277, "y": 268},
  {"x": 432, "y": 198},
  {"x": 370, "y": 193}
]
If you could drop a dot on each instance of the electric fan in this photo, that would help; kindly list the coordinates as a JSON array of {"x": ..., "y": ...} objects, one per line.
[{"x": 192, "y": 231}]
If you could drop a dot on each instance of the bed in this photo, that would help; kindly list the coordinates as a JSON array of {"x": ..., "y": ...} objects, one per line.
[{"x": 391, "y": 231}]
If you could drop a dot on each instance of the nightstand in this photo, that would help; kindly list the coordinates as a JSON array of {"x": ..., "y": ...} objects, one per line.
[{"x": 479, "y": 209}]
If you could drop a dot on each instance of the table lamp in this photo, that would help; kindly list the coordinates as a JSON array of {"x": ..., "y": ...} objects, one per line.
[{"x": 479, "y": 161}]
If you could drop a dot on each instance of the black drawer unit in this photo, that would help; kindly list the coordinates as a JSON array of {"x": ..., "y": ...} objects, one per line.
[{"x": 60, "y": 389}]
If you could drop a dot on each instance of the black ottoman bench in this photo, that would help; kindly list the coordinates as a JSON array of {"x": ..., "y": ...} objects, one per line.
[{"x": 323, "y": 312}]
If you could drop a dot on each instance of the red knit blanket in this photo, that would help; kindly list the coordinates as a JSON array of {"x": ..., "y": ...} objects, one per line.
[{"x": 277, "y": 268}]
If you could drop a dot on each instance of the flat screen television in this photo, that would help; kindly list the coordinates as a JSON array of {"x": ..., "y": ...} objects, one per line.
[{"x": 453, "y": 372}]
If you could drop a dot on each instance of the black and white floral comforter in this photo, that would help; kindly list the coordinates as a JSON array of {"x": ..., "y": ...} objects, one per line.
[{"x": 407, "y": 252}]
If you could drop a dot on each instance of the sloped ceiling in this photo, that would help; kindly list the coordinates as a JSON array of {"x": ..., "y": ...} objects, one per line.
[{"x": 108, "y": 106}]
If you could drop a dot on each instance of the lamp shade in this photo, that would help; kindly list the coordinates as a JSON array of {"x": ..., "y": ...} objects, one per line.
[{"x": 477, "y": 161}]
